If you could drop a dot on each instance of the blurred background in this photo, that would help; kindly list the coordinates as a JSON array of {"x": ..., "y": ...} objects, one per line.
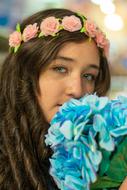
[{"x": 110, "y": 15}]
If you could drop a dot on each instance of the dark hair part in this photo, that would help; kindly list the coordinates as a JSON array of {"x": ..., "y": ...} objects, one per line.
[{"x": 24, "y": 158}]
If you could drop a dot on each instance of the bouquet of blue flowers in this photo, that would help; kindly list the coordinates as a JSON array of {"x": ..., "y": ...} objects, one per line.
[{"x": 88, "y": 139}]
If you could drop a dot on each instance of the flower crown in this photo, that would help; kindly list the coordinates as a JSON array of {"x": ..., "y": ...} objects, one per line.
[{"x": 50, "y": 26}]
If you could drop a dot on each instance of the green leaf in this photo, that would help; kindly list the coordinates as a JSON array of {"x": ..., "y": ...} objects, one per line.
[
  {"x": 18, "y": 27},
  {"x": 61, "y": 27},
  {"x": 104, "y": 182},
  {"x": 16, "y": 48},
  {"x": 118, "y": 165},
  {"x": 117, "y": 169},
  {"x": 40, "y": 35},
  {"x": 83, "y": 29},
  {"x": 105, "y": 162}
]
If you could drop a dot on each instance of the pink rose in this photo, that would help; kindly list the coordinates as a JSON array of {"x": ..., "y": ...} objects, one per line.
[
  {"x": 91, "y": 28},
  {"x": 71, "y": 23},
  {"x": 49, "y": 26},
  {"x": 102, "y": 42},
  {"x": 101, "y": 39},
  {"x": 15, "y": 39},
  {"x": 30, "y": 32}
]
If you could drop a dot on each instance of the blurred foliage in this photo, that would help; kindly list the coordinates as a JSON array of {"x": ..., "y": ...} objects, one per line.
[{"x": 3, "y": 44}]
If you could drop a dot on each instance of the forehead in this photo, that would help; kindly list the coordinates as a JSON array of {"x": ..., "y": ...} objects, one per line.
[{"x": 81, "y": 51}]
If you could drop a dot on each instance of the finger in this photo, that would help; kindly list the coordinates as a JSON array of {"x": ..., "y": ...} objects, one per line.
[{"x": 124, "y": 185}]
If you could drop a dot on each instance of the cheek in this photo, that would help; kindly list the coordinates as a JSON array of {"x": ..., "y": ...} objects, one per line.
[
  {"x": 49, "y": 97},
  {"x": 89, "y": 88},
  {"x": 50, "y": 90},
  {"x": 46, "y": 86}
]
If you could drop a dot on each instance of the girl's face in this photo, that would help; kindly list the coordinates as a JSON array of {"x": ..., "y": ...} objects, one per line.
[{"x": 71, "y": 75}]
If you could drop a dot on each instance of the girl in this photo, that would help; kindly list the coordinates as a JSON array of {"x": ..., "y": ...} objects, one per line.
[{"x": 55, "y": 55}]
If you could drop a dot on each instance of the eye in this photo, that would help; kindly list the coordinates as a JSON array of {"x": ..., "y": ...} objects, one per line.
[
  {"x": 60, "y": 69},
  {"x": 89, "y": 77}
]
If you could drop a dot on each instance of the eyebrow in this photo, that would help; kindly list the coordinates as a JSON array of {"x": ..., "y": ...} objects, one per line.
[
  {"x": 65, "y": 58},
  {"x": 68, "y": 59}
]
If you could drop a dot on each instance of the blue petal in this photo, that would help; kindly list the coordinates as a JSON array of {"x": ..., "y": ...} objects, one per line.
[
  {"x": 95, "y": 157},
  {"x": 98, "y": 123},
  {"x": 67, "y": 129},
  {"x": 108, "y": 144},
  {"x": 119, "y": 131},
  {"x": 75, "y": 183}
]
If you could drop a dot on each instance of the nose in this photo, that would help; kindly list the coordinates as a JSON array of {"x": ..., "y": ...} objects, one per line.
[{"x": 75, "y": 88}]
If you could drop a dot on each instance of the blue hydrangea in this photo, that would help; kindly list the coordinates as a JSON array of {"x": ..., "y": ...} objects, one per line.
[{"x": 78, "y": 133}]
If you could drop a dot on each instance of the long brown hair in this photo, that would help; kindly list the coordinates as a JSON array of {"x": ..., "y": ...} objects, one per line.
[{"x": 24, "y": 158}]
